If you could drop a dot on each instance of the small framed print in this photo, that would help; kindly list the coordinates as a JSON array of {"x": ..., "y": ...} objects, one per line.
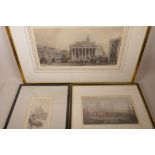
[
  {"x": 108, "y": 106},
  {"x": 39, "y": 106},
  {"x": 68, "y": 54}
]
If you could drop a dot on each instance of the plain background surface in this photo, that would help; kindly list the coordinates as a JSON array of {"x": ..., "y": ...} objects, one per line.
[
  {"x": 10, "y": 77},
  {"x": 146, "y": 73}
]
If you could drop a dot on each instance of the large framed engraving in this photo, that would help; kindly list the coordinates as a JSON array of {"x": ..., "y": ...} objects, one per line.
[
  {"x": 39, "y": 106},
  {"x": 64, "y": 54},
  {"x": 108, "y": 106}
]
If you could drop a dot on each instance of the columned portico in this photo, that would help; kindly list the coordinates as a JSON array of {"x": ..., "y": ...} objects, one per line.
[
  {"x": 85, "y": 50},
  {"x": 82, "y": 52}
]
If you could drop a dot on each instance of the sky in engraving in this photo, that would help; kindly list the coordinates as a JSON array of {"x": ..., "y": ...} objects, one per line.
[
  {"x": 121, "y": 103},
  {"x": 62, "y": 37}
]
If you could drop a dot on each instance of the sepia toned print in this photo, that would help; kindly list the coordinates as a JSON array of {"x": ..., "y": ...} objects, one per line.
[
  {"x": 39, "y": 113},
  {"x": 78, "y": 46},
  {"x": 108, "y": 110}
]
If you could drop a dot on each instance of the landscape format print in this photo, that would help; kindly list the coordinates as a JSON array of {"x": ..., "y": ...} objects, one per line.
[
  {"x": 39, "y": 113},
  {"x": 108, "y": 110},
  {"x": 78, "y": 46}
]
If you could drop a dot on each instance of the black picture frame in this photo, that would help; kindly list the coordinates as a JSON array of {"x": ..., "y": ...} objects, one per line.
[
  {"x": 112, "y": 84},
  {"x": 69, "y": 98},
  {"x": 41, "y": 84}
]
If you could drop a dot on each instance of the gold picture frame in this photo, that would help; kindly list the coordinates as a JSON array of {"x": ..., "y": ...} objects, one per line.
[{"x": 22, "y": 72}]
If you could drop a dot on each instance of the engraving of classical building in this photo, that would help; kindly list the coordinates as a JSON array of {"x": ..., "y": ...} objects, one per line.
[
  {"x": 81, "y": 53},
  {"x": 85, "y": 51}
]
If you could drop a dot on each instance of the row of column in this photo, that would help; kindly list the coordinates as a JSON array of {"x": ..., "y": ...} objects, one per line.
[{"x": 82, "y": 53}]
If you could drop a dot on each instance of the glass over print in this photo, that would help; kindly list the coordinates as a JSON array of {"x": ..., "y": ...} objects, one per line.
[
  {"x": 39, "y": 106},
  {"x": 108, "y": 106},
  {"x": 65, "y": 54}
]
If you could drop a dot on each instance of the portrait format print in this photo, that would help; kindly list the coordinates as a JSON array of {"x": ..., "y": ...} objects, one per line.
[
  {"x": 108, "y": 110},
  {"x": 78, "y": 46},
  {"x": 38, "y": 116}
]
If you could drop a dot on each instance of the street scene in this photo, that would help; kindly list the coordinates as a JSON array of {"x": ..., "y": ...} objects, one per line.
[
  {"x": 115, "y": 110},
  {"x": 78, "y": 46}
]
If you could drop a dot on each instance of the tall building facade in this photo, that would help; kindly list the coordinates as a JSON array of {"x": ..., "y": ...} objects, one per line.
[
  {"x": 84, "y": 51},
  {"x": 49, "y": 55},
  {"x": 114, "y": 50}
]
